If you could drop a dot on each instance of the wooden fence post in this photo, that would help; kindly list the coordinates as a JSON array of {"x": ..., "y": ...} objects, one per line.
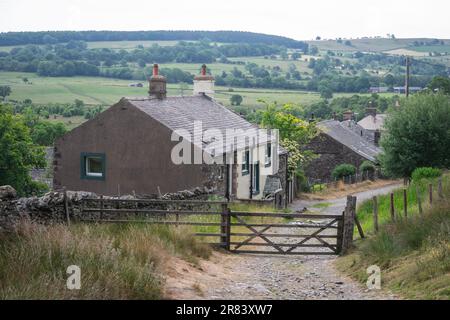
[
  {"x": 358, "y": 225},
  {"x": 349, "y": 225},
  {"x": 440, "y": 193},
  {"x": 135, "y": 204},
  {"x": 405, "y": 203},
  {"x": 225, "y": 228},
  {"x": 340, "y": 234},
  {"x": 430, "y": 191},
  {"x": 375, "y": 213},
  {"x": 66, "y": 207},
  {"x": 392, "y": 207},
  {"x": 419, "y": 201},
  {"x": 102, "y": 205}
]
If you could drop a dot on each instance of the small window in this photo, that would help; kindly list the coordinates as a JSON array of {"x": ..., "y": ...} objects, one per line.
[
  {"x": 246, "y": 162},
  {"x": 93, "y": 166},
  {"x": 268, "y": 157}
]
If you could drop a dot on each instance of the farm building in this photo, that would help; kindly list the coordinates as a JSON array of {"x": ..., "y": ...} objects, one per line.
[
  {"x": 337, "y": 143},
  {"x": 131, "y": 147}
]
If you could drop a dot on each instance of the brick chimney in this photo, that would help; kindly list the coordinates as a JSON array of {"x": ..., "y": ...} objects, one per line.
[
  {"x": 204, "y": 83},
  {"x": 157, "y": 86},
  {"x": 348, "y": 115}
]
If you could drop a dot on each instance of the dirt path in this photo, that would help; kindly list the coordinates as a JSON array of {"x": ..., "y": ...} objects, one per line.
[{"x": 231, "y": 276}]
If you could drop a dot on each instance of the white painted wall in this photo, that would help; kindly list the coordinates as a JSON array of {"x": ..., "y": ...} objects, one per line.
[
  {"x": 204, "y": 86},
  {"x": 243, "y": 181}
]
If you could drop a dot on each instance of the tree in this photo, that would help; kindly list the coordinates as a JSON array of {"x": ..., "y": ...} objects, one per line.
[
  {"x": 18, "y": 154},
  {"x": 440, "y": 84},
  {"x": 313, "y": 51},
  {"x": 45, "y": 133},
  {"x": 389, "y": 80},
  {"x": 296, "y": 56},
  {"x": 289, "y": 125},
  {"x": 141, "y": 63},
  {"x": 5, "y": 91},
  {"x": 325, "y": 92},
  {"x": 236, "y": 100},
  {"x": 417, "y": 135}
]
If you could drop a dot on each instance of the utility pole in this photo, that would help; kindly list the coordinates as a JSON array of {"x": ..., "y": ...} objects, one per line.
[{"x": 408, "y": 63}]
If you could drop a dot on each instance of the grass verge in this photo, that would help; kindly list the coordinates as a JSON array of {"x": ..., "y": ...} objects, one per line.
[
  {"x": 413, "y": 253},
  {"x": 116, "y": 261}
]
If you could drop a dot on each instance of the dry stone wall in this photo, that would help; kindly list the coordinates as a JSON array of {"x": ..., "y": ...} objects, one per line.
[{"x": 50, "y": 208}]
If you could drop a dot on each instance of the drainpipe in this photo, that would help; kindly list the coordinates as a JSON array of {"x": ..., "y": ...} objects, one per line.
[
  {"x": 251, "y": 180},
  {"x": 227, "y": 190}
]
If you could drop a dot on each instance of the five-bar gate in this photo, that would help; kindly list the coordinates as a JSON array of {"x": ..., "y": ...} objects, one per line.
[{"x": 239, "y": 232}]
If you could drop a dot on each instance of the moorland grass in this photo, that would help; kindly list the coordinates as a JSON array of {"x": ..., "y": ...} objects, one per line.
[
  {"x": 413, "y": 253},
  {"x": 116, "y": 261}
]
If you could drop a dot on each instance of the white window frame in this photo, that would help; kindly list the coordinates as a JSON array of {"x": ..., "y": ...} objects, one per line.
[{"x": 93, "y": 174}]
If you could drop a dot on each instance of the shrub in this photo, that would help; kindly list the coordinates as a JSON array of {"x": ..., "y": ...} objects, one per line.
[
  {"x": 367, "y": 166},
  {"x": 425, "y": 173},
  {"x": 343, "y": 170},
  {"x": 37, "y": 188}
]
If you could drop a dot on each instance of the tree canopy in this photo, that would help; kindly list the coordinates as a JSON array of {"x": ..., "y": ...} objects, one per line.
[
  {"x": 440, "y": 84},
  {"x": 18, "y": 154},
  {"x": 417, "y": 135}
]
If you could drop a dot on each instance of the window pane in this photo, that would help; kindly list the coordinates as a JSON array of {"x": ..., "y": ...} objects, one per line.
[{"x": 94, "y": 166}]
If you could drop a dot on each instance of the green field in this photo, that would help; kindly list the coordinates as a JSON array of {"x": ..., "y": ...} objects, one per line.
[
  {"x": 127, "y": 45},
  {"x": 301, "y": 64},
  {"x": 440, "y": 49},
  {"x": 106, "y": 91},
  {"x": 374, "y": 45}
]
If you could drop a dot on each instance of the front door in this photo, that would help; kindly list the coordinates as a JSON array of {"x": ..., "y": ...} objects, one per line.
[{"x": 255, "y": 179}]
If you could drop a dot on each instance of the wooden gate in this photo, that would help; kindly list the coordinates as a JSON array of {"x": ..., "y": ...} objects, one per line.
[
  {"x": 287, "y": 234},
  {"x": 238, "y": 232}
]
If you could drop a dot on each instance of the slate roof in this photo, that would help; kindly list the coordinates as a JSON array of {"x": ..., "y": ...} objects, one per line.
[
  {"x": 373, "y": 123},
  {"x": 180, "y": 112},
  {"x": 337, "y": 131}
]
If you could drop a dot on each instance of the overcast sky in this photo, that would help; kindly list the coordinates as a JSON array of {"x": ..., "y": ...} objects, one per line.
[{"x": 295, "y": 19}]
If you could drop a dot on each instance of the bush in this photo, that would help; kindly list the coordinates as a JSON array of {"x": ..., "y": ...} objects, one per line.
[
  {"x": 425, "y": 173},
  {"x": 37, "y": 188},
  {"x": 367, "y": 166},
  {"x": 343, "y": 170}
]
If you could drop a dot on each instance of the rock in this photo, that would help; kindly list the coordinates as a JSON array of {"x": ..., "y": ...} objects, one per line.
[{"x": 7, "y": 192}]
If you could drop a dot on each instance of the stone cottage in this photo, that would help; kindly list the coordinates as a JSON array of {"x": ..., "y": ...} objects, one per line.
[
  {"x": 148, "y": 145},
  {"x": 337, "y": 143}
]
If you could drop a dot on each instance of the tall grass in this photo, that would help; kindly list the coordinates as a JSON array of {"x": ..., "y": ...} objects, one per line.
[
  {"x": 365, "y": 209},
  {"x": 116, "y": 261},
  {"x": 413, "y": 253}
]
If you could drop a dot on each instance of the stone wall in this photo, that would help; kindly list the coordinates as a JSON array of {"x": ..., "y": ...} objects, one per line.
[
  {"x": 330, "y": 154},
  {"x": 50, "y": 208}
]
